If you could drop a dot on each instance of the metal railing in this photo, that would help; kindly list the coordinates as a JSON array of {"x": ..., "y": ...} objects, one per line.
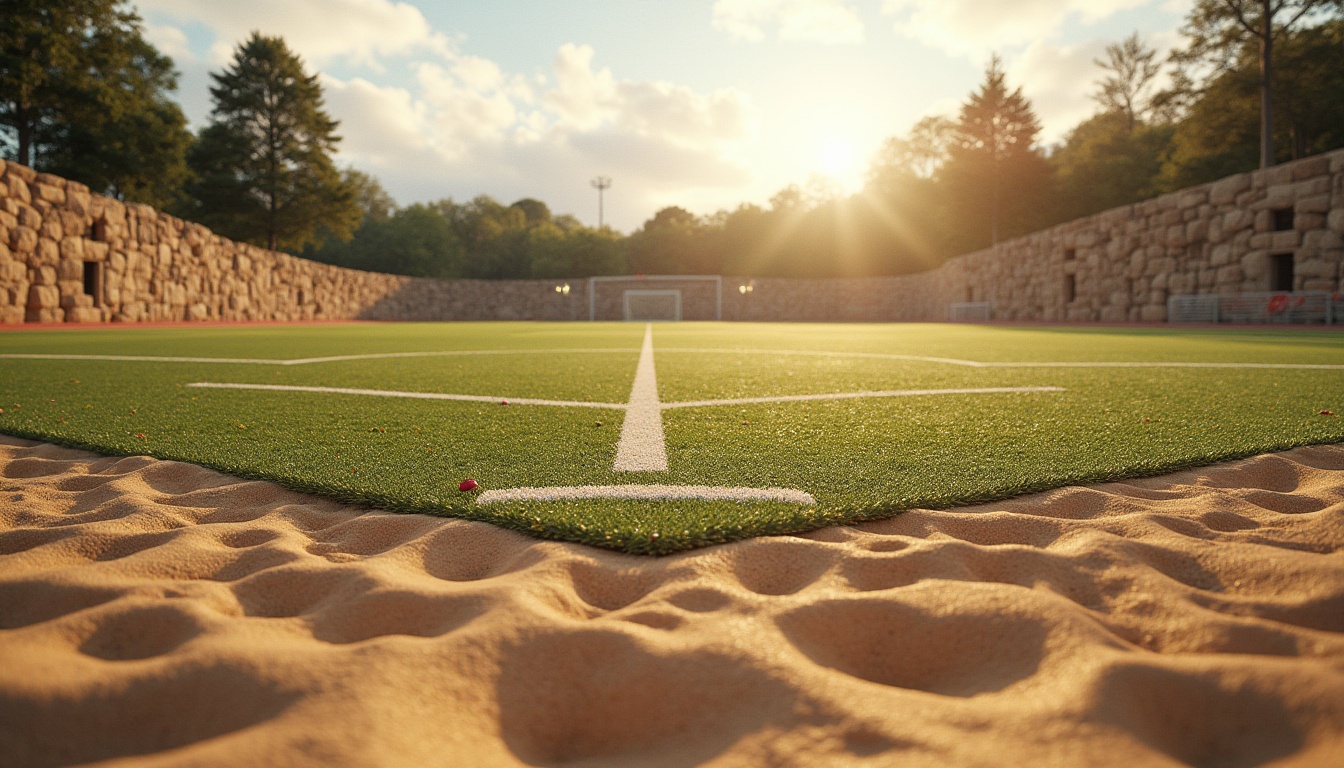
[{"x": 1261, "y": 307}]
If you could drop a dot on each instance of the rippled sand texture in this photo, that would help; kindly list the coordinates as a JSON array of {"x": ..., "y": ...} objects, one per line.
[{"x": 164, "y": 614}]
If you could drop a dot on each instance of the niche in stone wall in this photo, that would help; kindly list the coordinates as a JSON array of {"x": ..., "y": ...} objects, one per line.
[
  {"x": 1282, "y": 219},
  {"x": 1070, "y": 254},
  {"x": 93, "y": 281},
  {"x": 98, "y": 231},
  {"x": 1070, "y": 289},
  {"x": 1281, "y": 272}
]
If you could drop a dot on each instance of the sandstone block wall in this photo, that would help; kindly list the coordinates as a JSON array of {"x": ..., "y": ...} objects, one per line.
[{"x": 67, "y": 255}]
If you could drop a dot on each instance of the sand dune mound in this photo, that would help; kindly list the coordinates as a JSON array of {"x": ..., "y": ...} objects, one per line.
[{"x": 158, "y": 613}]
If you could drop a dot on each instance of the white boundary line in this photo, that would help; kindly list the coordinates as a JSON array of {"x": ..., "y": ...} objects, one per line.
[
  {"x": 412, "y": 395},
  {"x": 856, "y": 395},
  {"x": 701, "y": 351},
  {"x": 642, "y": 448},
  {"x": 646, "y": 493}
]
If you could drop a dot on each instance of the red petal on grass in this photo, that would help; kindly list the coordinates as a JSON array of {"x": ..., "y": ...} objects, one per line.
[
  {"x": 468, "y": 485},
  {"x": 1327, "y": 413}
]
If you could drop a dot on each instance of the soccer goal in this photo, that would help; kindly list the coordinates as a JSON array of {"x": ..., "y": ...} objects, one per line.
[
  {"x": 655, "y": 298},
  {"x": 969, "y": 312},
  {"x": 649, "y": 306}
]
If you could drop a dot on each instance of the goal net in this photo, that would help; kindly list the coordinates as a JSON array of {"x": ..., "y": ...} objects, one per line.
[
  {"x": 655, "y": 298},
  {"x": 650, "y": 306}
]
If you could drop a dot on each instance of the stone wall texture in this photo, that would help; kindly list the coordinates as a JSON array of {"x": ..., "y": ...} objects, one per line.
[{"x": 67, "y": 255}]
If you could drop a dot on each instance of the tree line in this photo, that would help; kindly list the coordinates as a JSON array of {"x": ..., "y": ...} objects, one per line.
[{"x": 83, "y": 95}]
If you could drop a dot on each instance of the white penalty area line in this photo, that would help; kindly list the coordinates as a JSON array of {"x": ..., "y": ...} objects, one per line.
[{"x": 647, "y": 493}]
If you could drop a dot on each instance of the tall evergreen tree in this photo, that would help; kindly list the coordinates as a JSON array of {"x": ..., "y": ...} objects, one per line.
[
  {"x": 83, "y": 95},
  {"x": 997, "y": 179},
  {"x": 264, "y": 167}
]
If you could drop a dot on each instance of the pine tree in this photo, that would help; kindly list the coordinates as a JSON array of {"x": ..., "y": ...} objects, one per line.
[
  {"x": 264, "y": 167},
  {"x": 998, "y": 181}
]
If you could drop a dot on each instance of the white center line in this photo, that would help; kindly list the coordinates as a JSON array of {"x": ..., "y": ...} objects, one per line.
[{"x": 642, "y": 448}]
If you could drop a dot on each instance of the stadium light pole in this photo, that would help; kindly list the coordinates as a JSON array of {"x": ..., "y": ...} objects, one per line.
[{"x": 602, "y": 184}]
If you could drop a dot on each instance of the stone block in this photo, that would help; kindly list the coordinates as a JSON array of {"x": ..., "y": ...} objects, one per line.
[
  {"x": 198, "y": 312},
  {"x": 1309, "y": 222},
  {"x": 1229, "y": 275},
  {"x": 1285, "y": 240},
  {"x": 1225, "y": 192},
  {"x": 1313, "y": 204},
  {"x": 28, "y": 216},
  {"x": 1310, "y": 167},
  {"x": 47, "y": 252},
  {"x": 44, "y": 297},
  {"x": 72, "y": 248},
  {"x": 69, "y": 269},
  {"x": 1322, "y": 239},
  {"x": 12, "y": 315},
  {"x": 48, "y": 192},
  {"x": 84, "y": 315},
  {"x": 94, "y": 251},
  {"x": 1197, "y": 230},
  {"x": 1335, "y": 220},
  {"x": 51, "y": 228},
  {"x": 71, "y": 301},
  {"x": 1154, "y": 313},
  {"x": 45, "y": 315},
  {"x": 17, "y": 188},
  {"x": 1264, "y": 220}
]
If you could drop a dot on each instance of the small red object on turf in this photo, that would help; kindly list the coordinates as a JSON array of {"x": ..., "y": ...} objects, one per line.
[
  {"x": 1327, "y": 413},
  {"x": 503, "y": 402},
  {"x": 468, "y": 485}
]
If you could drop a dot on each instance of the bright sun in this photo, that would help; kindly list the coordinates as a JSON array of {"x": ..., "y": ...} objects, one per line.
[{"x": 837, "y": 158}]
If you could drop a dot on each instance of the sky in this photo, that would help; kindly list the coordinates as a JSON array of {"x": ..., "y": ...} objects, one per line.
[{"x": 705, "y": 104}]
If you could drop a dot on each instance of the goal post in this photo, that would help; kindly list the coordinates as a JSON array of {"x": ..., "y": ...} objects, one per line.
[{"x": 655, "y": 298}]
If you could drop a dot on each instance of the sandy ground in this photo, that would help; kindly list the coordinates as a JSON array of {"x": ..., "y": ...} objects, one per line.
[{"x": 156, "y": 613}]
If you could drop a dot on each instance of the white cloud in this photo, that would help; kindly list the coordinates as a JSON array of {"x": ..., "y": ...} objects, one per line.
[
  {"x": 170, "y": 41},
  {"x": 1058, "y": 80},
  {"x": 974, "y": 28},
  {"x": 320, "y": 30},
  {"x": 467, "y": 127},
  {"x": 817, "y": 21}
]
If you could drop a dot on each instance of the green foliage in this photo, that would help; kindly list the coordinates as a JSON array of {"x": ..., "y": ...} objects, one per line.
[
  {"x": 264, "y": 167},
  {"x": 86, "y": 97},
  {"x": 415, "y": 241},
  {"x": 1220, "y": 133},
  {"x": 1105, "y": 163}
]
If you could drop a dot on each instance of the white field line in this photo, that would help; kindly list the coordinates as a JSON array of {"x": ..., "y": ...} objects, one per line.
[
  {"x": 856, "y": 395},
  {"x": 978, "y": 364},
  {"x": 642, "y": 448},
  {"x": 411, "y": 395},
  {"x": 646, "y": 492},
  {"x": 144, "y": 359},
  {"x": 737, "y": 351}
]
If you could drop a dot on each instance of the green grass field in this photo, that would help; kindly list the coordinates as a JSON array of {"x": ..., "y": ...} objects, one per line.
[{"x": 1080, "y": 411}]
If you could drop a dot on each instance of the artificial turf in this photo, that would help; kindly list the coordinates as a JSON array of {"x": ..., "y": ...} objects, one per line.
[{"x": 860, "y": 458}]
